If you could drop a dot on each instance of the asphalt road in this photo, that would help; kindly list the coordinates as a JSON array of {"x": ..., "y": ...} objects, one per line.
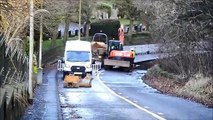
[
  {"x": 130, "y": 86},
  {"x": 123, "y": 96},
  {"x": 97, "y": 103}
]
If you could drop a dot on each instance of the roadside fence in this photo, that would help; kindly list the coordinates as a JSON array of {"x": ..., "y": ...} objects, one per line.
[{"x": 96, "y": 67}]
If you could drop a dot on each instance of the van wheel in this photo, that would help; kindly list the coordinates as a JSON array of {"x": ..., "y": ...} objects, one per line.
[
  {"x": 84, "y": 75},
  {"x": 90, "y": 72}
]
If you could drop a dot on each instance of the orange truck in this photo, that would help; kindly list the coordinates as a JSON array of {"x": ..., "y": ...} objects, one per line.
[{"x": 112, "y": 54}]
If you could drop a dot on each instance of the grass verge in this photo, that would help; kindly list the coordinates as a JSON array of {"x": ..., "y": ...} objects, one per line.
[
  {"x": 137, "y": 39},
  {"x": 127, "y": 21},
  {"x": 59, "y": 42},
  {"x": 197, "y": 88},
  {"x": 47, "y": 44}
]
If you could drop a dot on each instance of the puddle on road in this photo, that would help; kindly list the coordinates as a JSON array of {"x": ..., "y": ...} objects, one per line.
[
  {"x": 70, "y": 114},
  {"x": 145, "y": 88},
  {"x": 68, "y": 111},
  {"x": 141, "y": 71}
]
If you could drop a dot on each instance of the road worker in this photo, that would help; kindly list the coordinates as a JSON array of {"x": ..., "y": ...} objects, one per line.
[
  {"x": 133, "y": 52},
  {"x": 121, "y": 34},
  {"x": 133, "y": 55}
]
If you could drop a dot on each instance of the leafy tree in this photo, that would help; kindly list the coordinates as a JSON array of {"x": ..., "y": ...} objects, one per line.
[
  {"x": 72, "y": 13},
  {"x": 87, "y": 13},
  {"x": 104, "y": 6},
  {"x": 128, "y": 9},
  {"x": 52, "y": 21}
]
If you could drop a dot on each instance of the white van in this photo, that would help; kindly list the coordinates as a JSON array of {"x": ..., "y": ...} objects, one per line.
[{"x": 77, "y": 58}]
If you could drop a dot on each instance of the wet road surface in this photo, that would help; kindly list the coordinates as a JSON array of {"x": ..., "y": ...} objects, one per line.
[
  {"x": 130, "y": 86},
  {"x": 123, "y": 96},
  {"x": 97, "y": 103}
]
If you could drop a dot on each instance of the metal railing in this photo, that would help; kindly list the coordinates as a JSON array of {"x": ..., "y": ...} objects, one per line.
[
  {"x": 96, "y": 67},
  {"x": 59, "y": 65},
  {"x": 143, "y": 49}
]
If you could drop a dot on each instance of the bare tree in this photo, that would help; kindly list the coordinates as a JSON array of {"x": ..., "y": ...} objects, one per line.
[
  {"x": 184, "y": 28},
  {"x": 52, "y": 21},
  {"x": 14, "y": 18},
  {"x": 87, "y": 13},
  {"x": 148, "y": 11},
  {"x": 70, "y": 14}
]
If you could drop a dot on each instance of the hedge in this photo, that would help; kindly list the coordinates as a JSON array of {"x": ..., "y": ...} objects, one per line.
[{"x": 109, "y": 27}]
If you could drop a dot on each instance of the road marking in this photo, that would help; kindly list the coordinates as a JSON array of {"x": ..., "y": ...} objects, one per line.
[
  {"x": 126, "y": 97},
  {"x": 146, "y": 107},
  {"x": 134, "y": 104},
  {"x": 160, "y": 113}
]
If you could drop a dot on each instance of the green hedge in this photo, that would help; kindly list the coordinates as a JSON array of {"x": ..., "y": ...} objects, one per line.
[
  {"x": 109, "y": 27},
  {"x": 141, "y": 34},
  {"x": 138, "y": 38}
]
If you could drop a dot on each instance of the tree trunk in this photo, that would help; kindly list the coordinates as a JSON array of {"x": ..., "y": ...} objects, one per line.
[
  {"x": 66, "y": 29},
  {"x": 53, "y": 41},
  {"x": 130, "y": 29},
  {"x": 147, "y": 26},
  {"x": 87, "y": 30}
]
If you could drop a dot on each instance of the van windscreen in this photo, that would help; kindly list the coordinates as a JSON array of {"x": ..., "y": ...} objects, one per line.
[{"x": 78, "y": 56}]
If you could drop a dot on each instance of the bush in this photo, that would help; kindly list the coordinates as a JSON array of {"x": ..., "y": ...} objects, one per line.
[
  {"x": 141, "y": 34},
  {"x": 138, "y": 39},
  {"x": 198, "y": 88},
  {"x": 109, "y": 27},
  {"x": 156, "y": 71}
]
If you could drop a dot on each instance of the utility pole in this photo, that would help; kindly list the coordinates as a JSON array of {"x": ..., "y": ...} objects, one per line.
[
  {"x": 31, "y": 51},
  {"x": 40, "y": 69},
  {"x": 79, "y": 18}
]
